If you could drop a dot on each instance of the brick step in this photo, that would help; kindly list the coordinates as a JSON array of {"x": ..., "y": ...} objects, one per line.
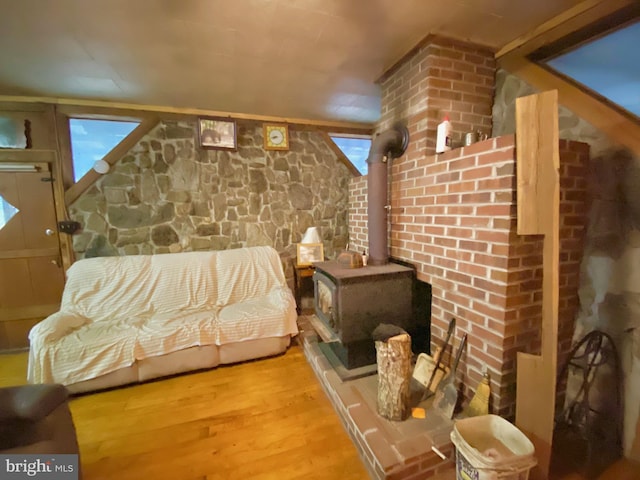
[{"x": 389, "y": 450}]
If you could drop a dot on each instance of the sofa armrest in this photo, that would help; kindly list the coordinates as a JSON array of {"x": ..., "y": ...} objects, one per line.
[
  {"x": 282, "y": 295},
  {"x": 56, "y": 326},
  {"x": 30, "y": 402}
]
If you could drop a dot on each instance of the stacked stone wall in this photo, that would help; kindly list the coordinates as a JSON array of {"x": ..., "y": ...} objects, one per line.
[{"x": 168, "y": 195}]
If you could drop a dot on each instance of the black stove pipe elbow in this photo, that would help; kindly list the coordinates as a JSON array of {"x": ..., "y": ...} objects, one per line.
[{"x": 389, "y": 144}]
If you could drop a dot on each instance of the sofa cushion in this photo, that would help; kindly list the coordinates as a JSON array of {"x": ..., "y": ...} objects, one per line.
[
  {"x": 105, "y": 288},
  {"x": 169, "y": 332},
  {"x": 272, "y": 315},
  {"x": 184, "y": 282},
  {"x": 247, "y": 273},
  {"x": 89, "y": 351}
]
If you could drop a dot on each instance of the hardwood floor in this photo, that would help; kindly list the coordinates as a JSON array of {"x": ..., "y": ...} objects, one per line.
[{"x": 266, "y": 419}]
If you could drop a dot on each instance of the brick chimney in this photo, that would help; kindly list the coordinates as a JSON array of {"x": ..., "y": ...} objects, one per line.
[
  {"x": 439, "y": 77},
  {"x": 453, "y": 215}
]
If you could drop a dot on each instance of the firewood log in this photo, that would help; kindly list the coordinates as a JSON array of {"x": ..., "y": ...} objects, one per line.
[{"x": 394, "y": 376}]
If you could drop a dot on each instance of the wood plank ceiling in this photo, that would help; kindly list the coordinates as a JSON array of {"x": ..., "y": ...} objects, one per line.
[{"x": 313, "y": 59}]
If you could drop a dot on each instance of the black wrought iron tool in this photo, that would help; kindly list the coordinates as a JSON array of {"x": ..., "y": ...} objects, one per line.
[
  {"x": 438, "y": 360},
  {"x": 446, "y": 396}
]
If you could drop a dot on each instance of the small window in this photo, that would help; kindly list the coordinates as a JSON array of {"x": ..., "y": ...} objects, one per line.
[
  {"x": 7, "y": 211},
  {"x": 91, "y": 140},
  {"x": 355, "y": 148}
]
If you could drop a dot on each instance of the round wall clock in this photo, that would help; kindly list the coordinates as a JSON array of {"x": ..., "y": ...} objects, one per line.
[{"x": 276, "y": 136}]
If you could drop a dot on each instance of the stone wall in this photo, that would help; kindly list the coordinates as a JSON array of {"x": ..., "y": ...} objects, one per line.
[
  {"x": 610, "y": 271},
  {"x": 610, "y": 281},
  {"x": 571, "y": 127},
  {"x": 167, "y": 195}
]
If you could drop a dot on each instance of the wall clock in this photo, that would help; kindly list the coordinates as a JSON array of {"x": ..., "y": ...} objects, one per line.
[{"x": 276, "y": 136}]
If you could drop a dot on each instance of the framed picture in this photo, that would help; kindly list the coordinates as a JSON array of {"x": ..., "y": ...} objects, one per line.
[
  {"x": 309, "y": 253},
  {"x": 217, "y": 133},
  {"x": 13, "y": 134}
]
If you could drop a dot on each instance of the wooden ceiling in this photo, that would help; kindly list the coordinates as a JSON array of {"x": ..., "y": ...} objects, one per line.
[{"x": 308, "y": 59}]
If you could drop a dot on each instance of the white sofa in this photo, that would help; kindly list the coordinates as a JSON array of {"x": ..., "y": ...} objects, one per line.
[{"x": 134, "y": 318}]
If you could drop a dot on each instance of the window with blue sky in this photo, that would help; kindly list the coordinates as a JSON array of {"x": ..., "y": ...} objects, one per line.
[
  {"x": 608, "y": 65},
  {"x": 7, "y": 211},
  {"x": 355, "y": 148},
  {"x": 91, "y": 140}
]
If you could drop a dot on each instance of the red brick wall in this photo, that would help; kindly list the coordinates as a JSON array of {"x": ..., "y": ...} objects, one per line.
[
  {"x": 357, "y": 221},
  {"x": 441, "y": 76},
  {"x": 454, "y": 217}
]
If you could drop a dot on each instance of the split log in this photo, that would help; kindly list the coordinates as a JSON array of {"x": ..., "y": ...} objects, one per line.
[{"x": 394, "y": 376}]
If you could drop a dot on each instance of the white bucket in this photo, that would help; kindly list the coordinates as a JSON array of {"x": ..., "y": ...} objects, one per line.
[{"x": 490, "y": 448}]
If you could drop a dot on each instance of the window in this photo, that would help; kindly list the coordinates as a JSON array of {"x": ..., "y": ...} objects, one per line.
[
  {"x": 7, "y": 211},
  {"x": 355, "y": 148},
  {"x": 91, "y": 140},
  {"x": 602, "y": 59}
]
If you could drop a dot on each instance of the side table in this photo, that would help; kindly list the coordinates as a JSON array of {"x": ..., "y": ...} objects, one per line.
[{"x": 300, "y": 272}]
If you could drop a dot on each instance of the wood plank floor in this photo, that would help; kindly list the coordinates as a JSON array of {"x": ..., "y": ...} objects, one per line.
[{"x": 265, "y": 419}]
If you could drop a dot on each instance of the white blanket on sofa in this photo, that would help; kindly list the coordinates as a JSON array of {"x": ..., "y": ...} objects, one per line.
[{"x": 116, "y": 310}]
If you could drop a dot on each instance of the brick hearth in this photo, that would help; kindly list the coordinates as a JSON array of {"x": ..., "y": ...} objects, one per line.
[{"x": 389, "y": 450}]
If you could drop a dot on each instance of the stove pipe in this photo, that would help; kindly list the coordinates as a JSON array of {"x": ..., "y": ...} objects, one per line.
[{"x": 386, "y": 146}]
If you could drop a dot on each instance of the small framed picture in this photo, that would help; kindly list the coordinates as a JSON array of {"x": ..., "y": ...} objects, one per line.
[
  {"x": 217, "y": 133},
  {"x": 309, "y": 253}
]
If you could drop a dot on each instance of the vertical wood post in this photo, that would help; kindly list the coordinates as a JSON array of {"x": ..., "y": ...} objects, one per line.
[{"x": 538, "y": 164}]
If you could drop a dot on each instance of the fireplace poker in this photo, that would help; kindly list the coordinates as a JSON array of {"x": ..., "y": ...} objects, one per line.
[{"x": 438, "y": 359}]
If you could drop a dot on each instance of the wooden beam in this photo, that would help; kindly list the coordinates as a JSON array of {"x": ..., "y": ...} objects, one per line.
[
  {"x": 67, "y": 253},
  {"x": 538, "y": 163},
  {"x": 182, "y": 111},
  {"x": 27, "y": 156},
  {"x": 617, "y": 126},
  {"x": 570, "y": 20},
  {"x": 63, "y": 143},
  {"x": 340, "y": 154},
  {"x": 116, "y": 153},
  {"x": 10, "y": 106},
  {"x": 103, "y": 113},
  {"x": 339, "y": 130}
]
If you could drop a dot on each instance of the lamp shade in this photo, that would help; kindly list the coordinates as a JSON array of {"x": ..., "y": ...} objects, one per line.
[{"x": 311, "y": 236}]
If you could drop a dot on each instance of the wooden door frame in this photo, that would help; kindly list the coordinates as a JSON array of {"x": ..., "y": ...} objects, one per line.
[{"x": 51, "y": 158}]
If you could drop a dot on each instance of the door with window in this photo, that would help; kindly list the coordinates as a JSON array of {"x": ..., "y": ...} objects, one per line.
[{"x": 31, "y": 273}]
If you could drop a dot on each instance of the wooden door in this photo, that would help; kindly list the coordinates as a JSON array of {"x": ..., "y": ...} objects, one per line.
[{"x": 31, "y": 275}]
